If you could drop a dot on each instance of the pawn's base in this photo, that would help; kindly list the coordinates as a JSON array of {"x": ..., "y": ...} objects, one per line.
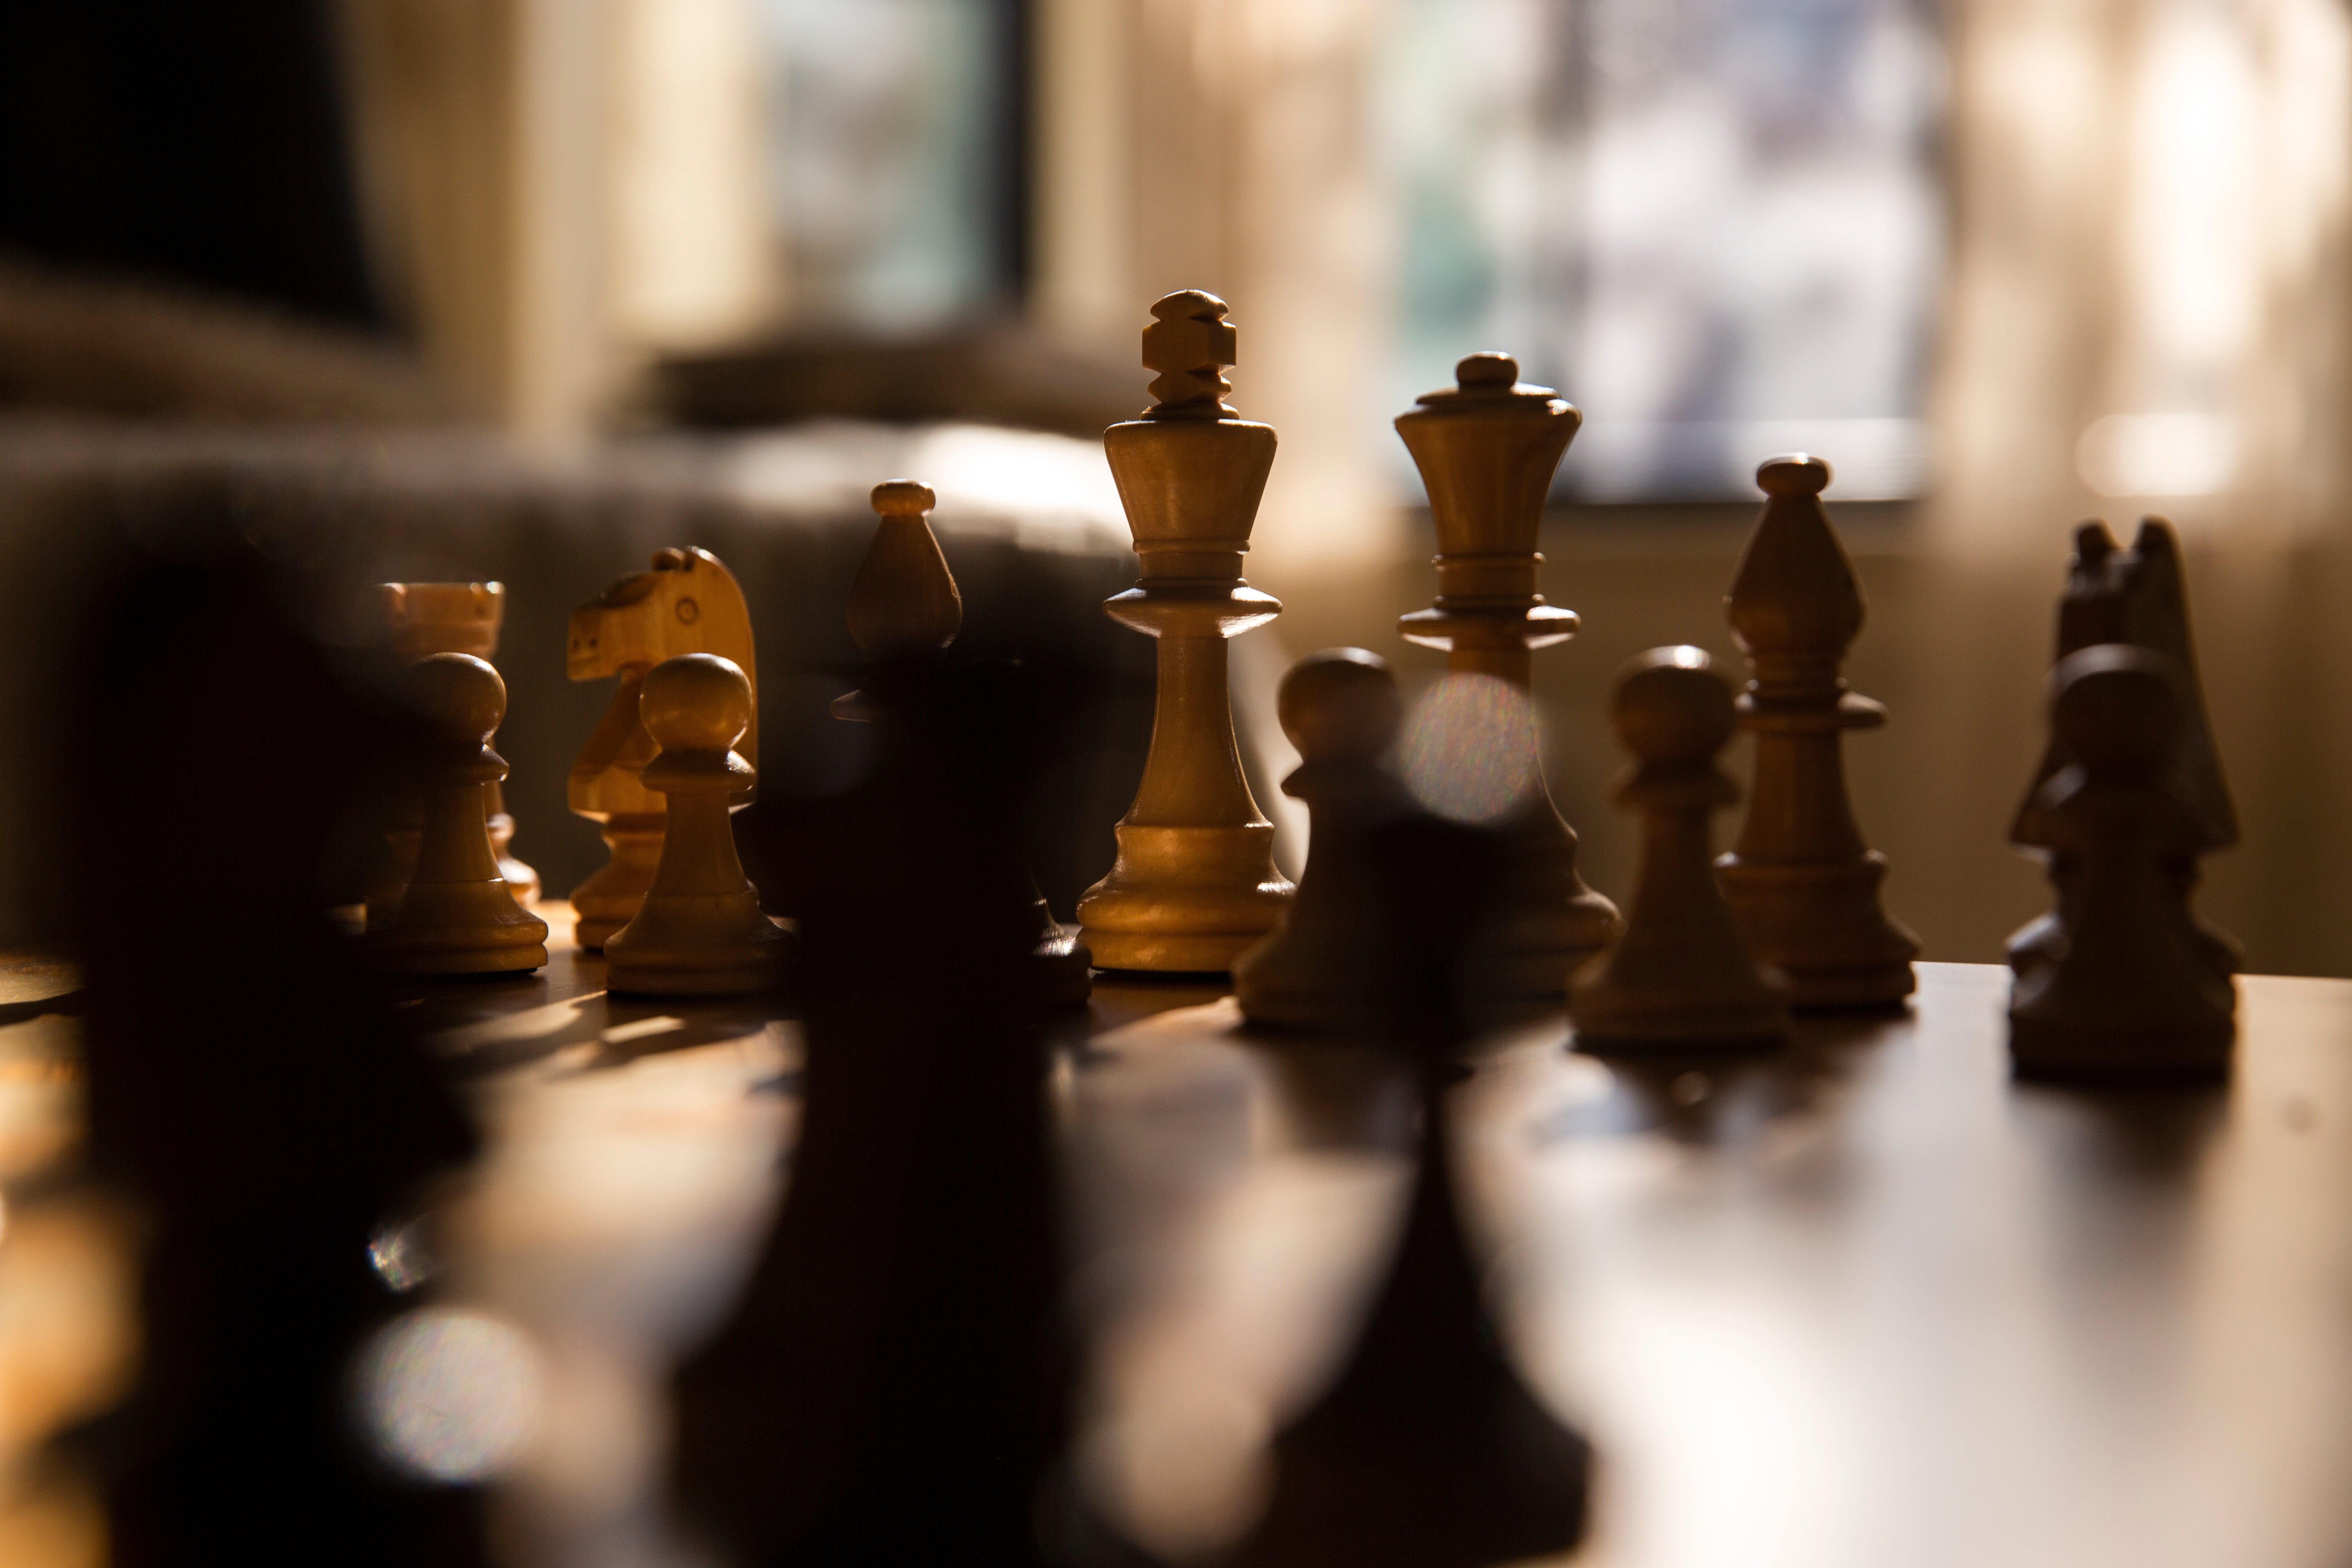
[
  {"x": 1538, "y": 945},
  {"x": 1613, "y": 1017},
  {"x": 690, "y": 946},
  {"x": 460, "y": 928},
  {"x": 2188, "y": 1051},
  {"x": 470, "y": 961}
]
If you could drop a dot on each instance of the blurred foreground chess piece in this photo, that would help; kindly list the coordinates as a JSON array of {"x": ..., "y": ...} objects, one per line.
[
  {"x": 1427, "y": 1450},
  {"x": 1682, "y": 972},
  {"x": 1331, "y": 965},
  {"x": 250, "y": 1090},
  {"x": 687, "y": 604},
  {"x": 1487, "y": 447},
  {"x": 891, "y": 1387},
  {"x": 1800, "y": 878},
  {"x": 700, "y": 930},
  {"x": 2130, "y": 992},
  {"x": 1195, "y": 882},
  {"x": 458, "y": 915},
  {"x": 904, "y": 611},
  {"x": 421, "y": 619},
  {"x": 2138, "y": 596}
]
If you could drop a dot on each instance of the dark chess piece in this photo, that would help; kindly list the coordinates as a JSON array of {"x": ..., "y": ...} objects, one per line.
[
  {"x": 1331, "y": 965},
  {"x": 892, "y": 1388},
  {"x": 904, "y": 611},
  {"x": 1681, "y": 974},
  {"x": 2129, "y": 992},
  {"x": 459, "y": 914},
  {"x": 1428, "y": 1450},
  {"x": 1486, "y": 449},
  {"x": 2138, "y": 596},
  {"x": 1802, "y": 879},
  {"x": 248, "y": 1083}
]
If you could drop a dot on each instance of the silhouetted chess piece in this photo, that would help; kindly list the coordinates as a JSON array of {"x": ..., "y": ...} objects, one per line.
[
  {"x": 1800, "y": 878},
  {"x": 2128, "y": 992},
  {"x": 422, "y": 619},
  {"x": 1195, "y": 883},
  {"x": 1682, "y": 972},
  {"x": 892, "y": 1387},
  {"x": 2138, "y": 596},
  {"x": 687, "y": 604},
  {"x": 458, "y": 915},
  {"x": 1427, "y": 1450},
  {"x": 904, "y": 612},
  {"x": 1486, "y": 449},
  {"x": 700, "y": 930},
  {"x": 250, "y": 1088},
  {"x": 1331, "y": 964}
]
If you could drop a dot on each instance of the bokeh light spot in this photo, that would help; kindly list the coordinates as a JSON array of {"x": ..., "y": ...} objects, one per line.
[
  {"x": 400, "y": 1254},
  {"x": 450, "y": 1395},
  {"x": 1469, "y": 748}
]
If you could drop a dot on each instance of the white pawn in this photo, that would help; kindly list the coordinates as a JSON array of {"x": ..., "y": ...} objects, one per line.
[
  {"x": 701, "y": 931},
  {"x": 458, "y": 915}
]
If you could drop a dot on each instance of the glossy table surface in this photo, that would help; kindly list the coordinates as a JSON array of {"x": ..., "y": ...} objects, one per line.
[{"x": 1864, "y": 1302}]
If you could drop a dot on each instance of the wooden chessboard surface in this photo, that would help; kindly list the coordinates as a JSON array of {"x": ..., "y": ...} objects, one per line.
[{"x": 1863, "y": 1302}]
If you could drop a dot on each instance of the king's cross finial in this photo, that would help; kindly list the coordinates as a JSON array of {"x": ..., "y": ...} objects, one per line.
[{"x": 1189, "y": 343}]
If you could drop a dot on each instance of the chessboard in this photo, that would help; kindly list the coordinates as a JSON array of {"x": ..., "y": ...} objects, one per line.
[
  {"x": 1866, "y": 1300},
  {"x": 802, "y": 1190}
]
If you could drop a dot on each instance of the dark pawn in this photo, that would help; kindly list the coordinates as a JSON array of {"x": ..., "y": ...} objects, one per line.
[
  {"x": 1428, "y": 1451},
  {"x": 1329, "y": 966},
  {"x": 2126, "y": 992},
  {"x": 892, "y": 1388},
  {"x": 1680, "y": 974},
  {"x": 248, "y": 1086}
]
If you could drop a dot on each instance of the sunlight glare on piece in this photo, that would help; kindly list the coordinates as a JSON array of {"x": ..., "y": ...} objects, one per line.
[
  {"x": 450, "y": 1395},
  {"x": 1469, "y": 748}
]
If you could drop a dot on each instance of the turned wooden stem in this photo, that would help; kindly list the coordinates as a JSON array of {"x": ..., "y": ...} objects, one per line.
[{"x": 1192, "y": 777}]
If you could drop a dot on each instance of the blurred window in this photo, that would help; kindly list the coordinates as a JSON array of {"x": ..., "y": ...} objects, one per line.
[
  {"x": 896, "y": 159},
  {"x": 1716, "y": 225}
]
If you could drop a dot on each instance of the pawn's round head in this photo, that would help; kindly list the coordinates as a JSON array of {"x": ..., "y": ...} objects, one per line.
[
  {"x": 696, "y": 702},
  {"x": 458, "y": 694},
  {"x": 1486, "y": 372},
  {"x": 1671, "y": 708},
  {"x": 1796, "y": 474},
  {"x": 2116, "y": 708},
  {"x": 903, "y": 498},
  {"x": 1340, "y": 705}
]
